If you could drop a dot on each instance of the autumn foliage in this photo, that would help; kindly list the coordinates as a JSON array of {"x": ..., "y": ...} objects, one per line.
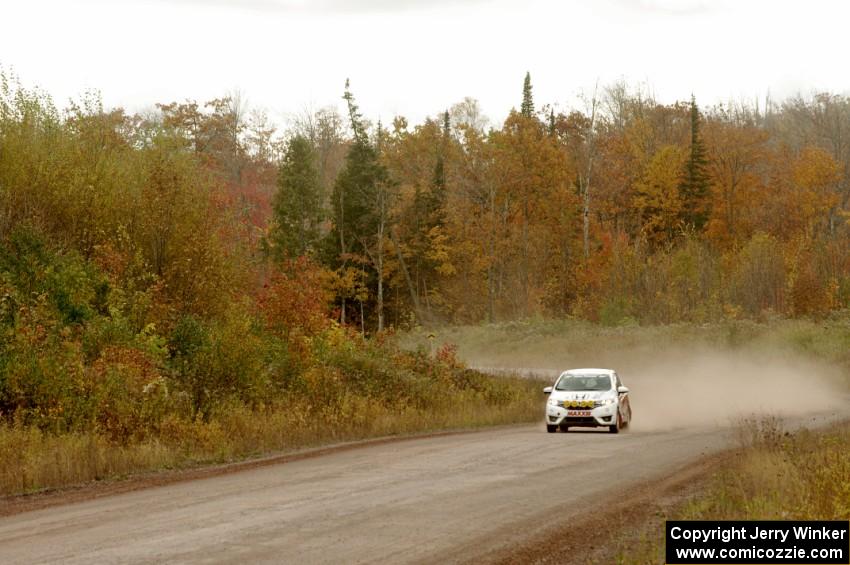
[
  {"x": 142, "y": 303},
  {"x": 159, "y": 269}
]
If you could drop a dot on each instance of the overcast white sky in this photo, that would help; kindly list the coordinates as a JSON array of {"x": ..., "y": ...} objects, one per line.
[{"x": 416, "y": 57}]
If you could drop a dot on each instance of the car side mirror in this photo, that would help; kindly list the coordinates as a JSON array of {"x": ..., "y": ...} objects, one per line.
[
  {"x": 622, "y": 389},
  {"x": 547, "y": 390}
]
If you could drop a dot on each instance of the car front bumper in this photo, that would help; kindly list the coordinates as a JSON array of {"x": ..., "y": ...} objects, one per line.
[{"x": 599, "y": 416}]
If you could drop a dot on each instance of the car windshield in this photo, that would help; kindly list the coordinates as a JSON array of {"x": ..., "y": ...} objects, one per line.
[{"x": 584, "y": 382}]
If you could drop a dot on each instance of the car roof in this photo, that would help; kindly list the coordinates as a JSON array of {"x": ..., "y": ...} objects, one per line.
[{"x": 590, "y": 372}]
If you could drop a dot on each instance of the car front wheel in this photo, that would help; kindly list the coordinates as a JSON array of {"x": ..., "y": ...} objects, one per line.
[
  {"x": 551, "y": 429},
  {"x": 615, "y": 429}
]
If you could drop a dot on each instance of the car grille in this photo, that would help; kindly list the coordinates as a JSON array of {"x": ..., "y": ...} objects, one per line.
[{"x": 579, "y": 421}]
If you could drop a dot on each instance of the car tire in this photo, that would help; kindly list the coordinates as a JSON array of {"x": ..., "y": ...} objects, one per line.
[
  {"x": 564, "y": 428},
  {"x": 615, "y": 429},
  {"x": 551, "y": 429}
]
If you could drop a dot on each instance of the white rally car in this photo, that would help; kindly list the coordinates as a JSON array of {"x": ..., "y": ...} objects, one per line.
[{"x": 588, "y": 398}]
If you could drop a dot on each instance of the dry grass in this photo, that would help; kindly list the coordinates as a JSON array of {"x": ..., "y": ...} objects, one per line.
[
  {"x": 31, "y": 460},
  {"x": 802, "y": 476},
  {"x": 778, "y": 476}
]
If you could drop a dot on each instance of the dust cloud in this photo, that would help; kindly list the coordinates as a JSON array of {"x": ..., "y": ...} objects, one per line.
[
  {"x": 702, "y": 386},
  {"x": 719, "y": 388}
]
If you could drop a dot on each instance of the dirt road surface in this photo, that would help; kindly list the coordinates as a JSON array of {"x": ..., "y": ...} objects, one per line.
[
  {"x": 431, "y": 500},
  {"x": 428, "y": 500}
]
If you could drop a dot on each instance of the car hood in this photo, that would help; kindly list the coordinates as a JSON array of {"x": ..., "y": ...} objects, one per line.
[{"x": 581, "y": 394}]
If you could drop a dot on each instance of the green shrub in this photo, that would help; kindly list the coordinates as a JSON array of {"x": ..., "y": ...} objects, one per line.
[{"x": 617, "y": 312}]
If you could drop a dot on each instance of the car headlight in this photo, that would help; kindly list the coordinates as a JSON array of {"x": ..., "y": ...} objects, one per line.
[
  {"x": 606, "y": 401},
  {"x": 552, "y": 402}
]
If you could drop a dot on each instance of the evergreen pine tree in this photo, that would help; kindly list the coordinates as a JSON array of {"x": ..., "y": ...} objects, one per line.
[
  {"x": 354, "y": 198},
  {"x": 436, "y": 210},
  {"x": 354, "y": 192},
  {"x": 360, "y": 203},
  {"x": 527, "y": 108},
  {"x": 429, "y": 205},
  {"x": 354, "y": 116},
  {"x": 694, "y": 186},
  {"x": 296, "y": 206}
]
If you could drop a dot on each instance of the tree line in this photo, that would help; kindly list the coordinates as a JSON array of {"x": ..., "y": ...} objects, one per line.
[
  {"x": 145, "y": 301},
  {"x": 623, "y": 210},
  {"x": 627, "y": 210}
]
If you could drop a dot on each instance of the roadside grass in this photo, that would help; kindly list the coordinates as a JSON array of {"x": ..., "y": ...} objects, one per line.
[
  {"x": 777, "y": 476},
  {"x": 32, "y": 460}
]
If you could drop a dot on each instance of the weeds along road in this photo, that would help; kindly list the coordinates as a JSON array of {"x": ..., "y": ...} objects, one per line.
[{"x": 432, "y": 500}]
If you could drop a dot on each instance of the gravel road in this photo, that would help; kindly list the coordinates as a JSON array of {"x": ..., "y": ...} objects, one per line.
[{"x": 448, "y": 498}]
